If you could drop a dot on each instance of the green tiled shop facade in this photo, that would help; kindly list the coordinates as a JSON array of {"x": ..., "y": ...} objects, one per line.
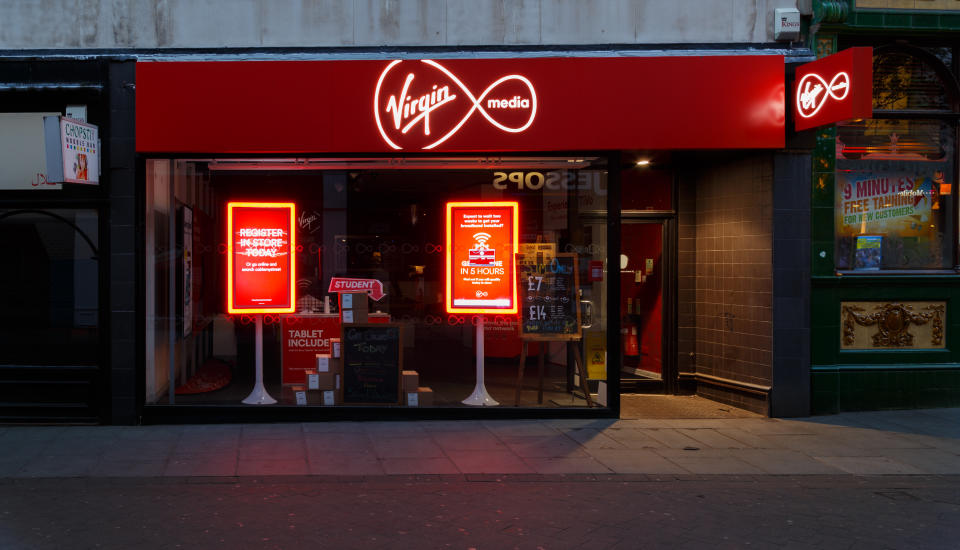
[{"x": 850, "y": 380}]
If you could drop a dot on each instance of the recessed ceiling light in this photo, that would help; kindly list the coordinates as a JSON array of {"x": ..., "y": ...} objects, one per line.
[{"x": 643, "y": 163}]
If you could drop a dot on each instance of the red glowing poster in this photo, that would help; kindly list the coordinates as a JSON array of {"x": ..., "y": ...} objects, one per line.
[
  {"x": 260, "y": 266},
  {"x": 481, "y": 241}
]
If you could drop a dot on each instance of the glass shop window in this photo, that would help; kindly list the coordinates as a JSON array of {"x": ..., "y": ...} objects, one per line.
[
  {"x": 895, "y": 174},
  {"x": 371, "y": 326}
]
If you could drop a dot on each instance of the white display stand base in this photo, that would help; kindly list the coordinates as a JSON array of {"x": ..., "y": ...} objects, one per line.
[
  {"x": 480, "y": 397},
  {"x": 259, "y": 395}
]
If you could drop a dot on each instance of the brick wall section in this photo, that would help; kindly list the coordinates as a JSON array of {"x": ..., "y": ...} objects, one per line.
[{"x": 725, "y": 277}]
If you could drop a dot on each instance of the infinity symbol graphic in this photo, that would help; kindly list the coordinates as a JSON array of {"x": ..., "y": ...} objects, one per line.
[
  {"x": 811, "y": 96},
  {"x": 405, "y": 111}
]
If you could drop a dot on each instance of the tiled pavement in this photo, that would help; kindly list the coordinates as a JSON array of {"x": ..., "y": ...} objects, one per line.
[{"x": 873, "y": 443}]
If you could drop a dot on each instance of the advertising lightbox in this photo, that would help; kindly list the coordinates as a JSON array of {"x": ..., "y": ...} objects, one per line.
[
  {"x": 260, "y": 257},
  {"x": 481, "y": 242}
]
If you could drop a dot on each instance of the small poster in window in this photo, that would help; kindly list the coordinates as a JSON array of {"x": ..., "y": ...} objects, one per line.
[{"x": 868, "y": 252}]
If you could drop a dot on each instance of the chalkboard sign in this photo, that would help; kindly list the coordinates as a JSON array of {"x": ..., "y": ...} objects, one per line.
[
  {"x": 372, "y": 363},
  {"x": 549, "y": 297}
]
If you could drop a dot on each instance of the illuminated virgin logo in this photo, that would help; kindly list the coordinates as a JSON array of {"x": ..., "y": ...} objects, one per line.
[
  {"x": 813, "y": 92},
  {"x": 420, "y": 104}
]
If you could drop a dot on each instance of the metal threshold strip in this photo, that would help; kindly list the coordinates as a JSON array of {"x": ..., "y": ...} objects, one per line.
[{"x": 50, "y": 86}]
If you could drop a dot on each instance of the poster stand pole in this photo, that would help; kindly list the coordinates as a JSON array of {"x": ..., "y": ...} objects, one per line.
[
  {"x": 259, "y": 395},
  {"x": 480, "y": 397}
]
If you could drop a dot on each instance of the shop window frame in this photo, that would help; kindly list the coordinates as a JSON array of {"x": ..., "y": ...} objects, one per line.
[
  {"x": 951, "y": 85},
  {"x": 191, "y": 413}
]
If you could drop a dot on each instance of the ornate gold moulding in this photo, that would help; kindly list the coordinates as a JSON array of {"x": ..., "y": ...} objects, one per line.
[{"x": 896, "y": 325}]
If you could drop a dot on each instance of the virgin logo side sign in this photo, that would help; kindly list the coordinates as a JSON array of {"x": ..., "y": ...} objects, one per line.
[
  {"x": 420, "y": 104},
  {"x": 835, "y": 88}
]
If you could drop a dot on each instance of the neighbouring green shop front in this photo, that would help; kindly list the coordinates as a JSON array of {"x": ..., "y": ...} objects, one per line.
[{"x": 885, "y": 297}]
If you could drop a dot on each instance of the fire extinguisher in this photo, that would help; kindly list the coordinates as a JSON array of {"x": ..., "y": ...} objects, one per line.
[{"x": 630, "y": 345}]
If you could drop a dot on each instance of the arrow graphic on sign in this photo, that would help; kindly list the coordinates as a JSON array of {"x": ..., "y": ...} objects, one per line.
[{"x": 373, "y": 287}]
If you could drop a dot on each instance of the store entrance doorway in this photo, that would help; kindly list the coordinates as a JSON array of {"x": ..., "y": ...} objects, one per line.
[{"x": 644, "y": 266}]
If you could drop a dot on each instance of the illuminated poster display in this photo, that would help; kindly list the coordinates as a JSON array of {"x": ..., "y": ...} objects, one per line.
[
  {"x": 481, "y": 241},
  {"x": 887, "y": 209},
  {"x": 260, "y": 267}
]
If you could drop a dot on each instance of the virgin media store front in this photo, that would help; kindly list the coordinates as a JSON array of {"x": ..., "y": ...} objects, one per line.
[{"x": 455, "y": 237}]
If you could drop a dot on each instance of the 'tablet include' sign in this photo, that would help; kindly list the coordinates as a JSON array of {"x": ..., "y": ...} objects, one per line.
[{"x": 260, "y": 268}]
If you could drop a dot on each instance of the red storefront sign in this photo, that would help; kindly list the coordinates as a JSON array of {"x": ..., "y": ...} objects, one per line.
[
  {"x": 481, "y": 240},
  {"x": 260, "y": 266},
  {"x": 461, "y": 105},
  {"x": 834, "y": 88},
  {"x": 372, "y": 287},
  {"x": 303, "y": 337}
]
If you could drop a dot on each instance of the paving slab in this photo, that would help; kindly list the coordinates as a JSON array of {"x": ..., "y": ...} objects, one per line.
[
  {"x": 421, "y": 446},
  {"x": 129, "y": 468},
  {"x": 567, "y": 465},
  {"x": 423, "y": 465},
  {"x": 786, "y": 462},
  {"x": 869, "y": 465},
  {"x": 200, "y": 466},
  {"x": 271, "y": 431},
  {"x": 344, "y": 464},
  {"x": 556, "y": 445},
  {"x": 930, "y": 461},
  {"x": 467, "y": 440},
  {"x": 697, "y": 462},
  {"x": 273, "y": 467},
  {"x": 671, "y": 438},
  {"x": 593, "y": 438},
  {"x": 636, "y": 461},
  {"x": 489, "y": 462},
  {"x": 710, "y": 437}
]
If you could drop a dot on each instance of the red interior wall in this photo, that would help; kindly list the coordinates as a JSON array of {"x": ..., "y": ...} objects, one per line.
[{"x": 639, "y": 242}]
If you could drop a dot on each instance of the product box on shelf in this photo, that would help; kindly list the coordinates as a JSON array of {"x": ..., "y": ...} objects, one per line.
[{"x": 411, "y": 381}]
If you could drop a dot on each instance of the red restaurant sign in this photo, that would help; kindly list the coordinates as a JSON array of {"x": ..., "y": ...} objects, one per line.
[
  {"x": 260, "y": 266},
  {"x": 834, "y": 88},
  {"x": 481, "y": 241},
  {"x": 461, "y": 105}
]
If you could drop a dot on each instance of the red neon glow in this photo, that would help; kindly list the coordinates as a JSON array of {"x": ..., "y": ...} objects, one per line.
[
  {"x": 408, "y": 109},
  {"x": 481, "y": 239},
  {"x": 261, "y": 271},
  {"x": 813, "y": 92}
]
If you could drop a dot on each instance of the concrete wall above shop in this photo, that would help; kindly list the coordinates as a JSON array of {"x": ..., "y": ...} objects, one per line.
[{"x": 67, "y": 24}]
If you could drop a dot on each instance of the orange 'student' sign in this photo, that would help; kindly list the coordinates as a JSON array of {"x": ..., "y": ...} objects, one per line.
[
  {"x": 481, "y": 241},
  {"x": 260, "y": 257}
]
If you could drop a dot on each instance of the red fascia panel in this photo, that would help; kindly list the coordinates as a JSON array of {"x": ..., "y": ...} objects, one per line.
[{"x": 670, "y": 102}]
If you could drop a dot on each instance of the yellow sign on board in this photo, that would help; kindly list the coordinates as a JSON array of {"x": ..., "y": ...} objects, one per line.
[{"x": 595, "y": 348}]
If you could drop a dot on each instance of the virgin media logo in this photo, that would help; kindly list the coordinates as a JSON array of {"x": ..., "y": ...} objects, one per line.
[
  {"x": 813, "y": 92},
  {"x": 419, "y": 104}
]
